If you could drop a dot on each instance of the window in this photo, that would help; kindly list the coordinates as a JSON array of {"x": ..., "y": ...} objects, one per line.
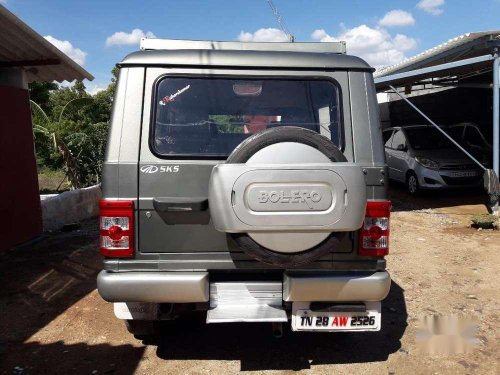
[
  {"x": 399, "y": 140},
  {"x": 456, "y": 132},
  {"x": 209, "y": 117},
  {"x": 387, "y": 138},
  {"x": 473, "y": 137},
  {"x": 427, "y": 138}
]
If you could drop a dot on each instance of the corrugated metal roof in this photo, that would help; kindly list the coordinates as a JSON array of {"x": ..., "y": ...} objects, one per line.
[
  {"x": 459, "y": 48},
  {"x": 447, "y": 72},
  {"x": 21, "y": 46}
]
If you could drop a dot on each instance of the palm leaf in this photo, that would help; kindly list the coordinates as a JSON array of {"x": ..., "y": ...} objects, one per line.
[
  {"x": 74, "y": 104},
  {"x": 76, "y": 139},
  {"x": 39, "y": 116},
  {"x": 37, "y": 129}
]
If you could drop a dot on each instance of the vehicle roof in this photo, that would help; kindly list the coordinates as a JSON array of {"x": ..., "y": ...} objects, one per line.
[
  {"x": 245, "y": 58},
  {"x": 464, "y": 124}
]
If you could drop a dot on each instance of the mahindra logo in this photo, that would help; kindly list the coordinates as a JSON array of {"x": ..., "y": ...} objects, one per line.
[
  {"x": 149, "y": 169},
  {"x": 309, "y": 197},
  {"x": 161, "y": 169}
]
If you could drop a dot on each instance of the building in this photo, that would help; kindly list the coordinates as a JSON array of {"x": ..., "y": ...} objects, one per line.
[{"x": 25, "y": 57}]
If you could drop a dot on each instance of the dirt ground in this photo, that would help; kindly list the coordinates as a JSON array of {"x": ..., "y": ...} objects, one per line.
[{"x": 53, "y": 320}]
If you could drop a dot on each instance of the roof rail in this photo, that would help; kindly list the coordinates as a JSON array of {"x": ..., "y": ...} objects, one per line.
[{"x": 177, "y": 44}]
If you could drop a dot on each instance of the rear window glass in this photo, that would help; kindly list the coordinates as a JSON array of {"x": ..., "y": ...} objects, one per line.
[{"x": 209, "y": 117}]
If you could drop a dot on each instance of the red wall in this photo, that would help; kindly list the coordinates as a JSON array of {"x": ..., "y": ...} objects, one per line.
[{"x": 20, "y": 212}]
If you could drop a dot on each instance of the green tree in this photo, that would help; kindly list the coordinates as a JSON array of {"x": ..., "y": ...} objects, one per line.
[
  {"x": 40, "y": 93},
  {"x": 70, "y": 128},
  {"x": 103, "y": 100},
  {"x": 52, "y": 133}
]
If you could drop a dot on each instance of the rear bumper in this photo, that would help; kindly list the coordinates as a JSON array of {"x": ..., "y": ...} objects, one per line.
[
  {"x": 351, "y": 287},
  {"x": 159, "y": 287},
  {"x": 188, "y": 287}
]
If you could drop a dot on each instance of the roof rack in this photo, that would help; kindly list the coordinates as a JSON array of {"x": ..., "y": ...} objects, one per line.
[{"x": 177, "y": 44}]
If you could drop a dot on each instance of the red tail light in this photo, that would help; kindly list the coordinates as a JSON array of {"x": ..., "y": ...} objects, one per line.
[
  {"x": 116, "y": 228},
  {"x": 374, "y": 235}
]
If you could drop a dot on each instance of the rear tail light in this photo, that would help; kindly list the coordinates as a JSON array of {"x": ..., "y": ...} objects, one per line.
[
  {"x": 374, "y": 235},
  {"x": 116, "y": 228}
]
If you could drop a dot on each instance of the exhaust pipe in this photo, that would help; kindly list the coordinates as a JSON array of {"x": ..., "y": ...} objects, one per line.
[{"x": 277, "y": 330}]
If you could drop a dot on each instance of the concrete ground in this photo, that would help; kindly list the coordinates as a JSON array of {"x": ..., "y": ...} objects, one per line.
[{"x": 53, "y": 320}]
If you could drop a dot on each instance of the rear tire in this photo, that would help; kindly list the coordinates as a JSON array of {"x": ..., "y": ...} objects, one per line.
[
  {"x": 412, "y": 185},
  {"x": 245, "y": 151}
]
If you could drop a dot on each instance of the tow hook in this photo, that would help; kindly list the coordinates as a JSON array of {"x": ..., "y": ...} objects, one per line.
[{"x": 277, "y": 330}]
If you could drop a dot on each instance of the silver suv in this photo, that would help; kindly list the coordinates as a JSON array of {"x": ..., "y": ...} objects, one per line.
[
  {"x": 423, "y": 158},
  {"x": 248, "y": 181}
]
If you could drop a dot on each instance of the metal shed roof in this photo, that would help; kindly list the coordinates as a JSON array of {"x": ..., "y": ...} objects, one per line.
[
  {"x": 462, "y": 47},
  {"x": 22, "y": 47},
  {"x": 464, "y": 58}
]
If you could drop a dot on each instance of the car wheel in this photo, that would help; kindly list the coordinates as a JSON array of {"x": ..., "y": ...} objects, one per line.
[{"x": 412, "y": 184}]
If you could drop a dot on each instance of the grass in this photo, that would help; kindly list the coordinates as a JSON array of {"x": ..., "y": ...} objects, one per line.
[
  {"x": 485, "y": 221},
  {"x": 50, "y": 179}
]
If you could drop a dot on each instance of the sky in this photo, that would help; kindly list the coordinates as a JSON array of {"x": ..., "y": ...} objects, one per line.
[{"x": 98, "y": 34}]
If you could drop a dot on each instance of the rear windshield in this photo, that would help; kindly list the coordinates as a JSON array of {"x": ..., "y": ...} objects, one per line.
[{"x": 209, "y": 117}]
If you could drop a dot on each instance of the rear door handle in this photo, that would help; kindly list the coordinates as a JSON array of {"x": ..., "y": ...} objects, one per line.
[{"x": 179, "y": 204}]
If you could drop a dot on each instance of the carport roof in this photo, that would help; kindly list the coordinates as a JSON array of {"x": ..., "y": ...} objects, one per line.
[
  {"x": 459, "y": 57},
  {"x": 22, "y": 47}
]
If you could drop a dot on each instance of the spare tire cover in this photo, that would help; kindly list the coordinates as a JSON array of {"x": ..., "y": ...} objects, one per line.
[{"x": 286, "y": 145}]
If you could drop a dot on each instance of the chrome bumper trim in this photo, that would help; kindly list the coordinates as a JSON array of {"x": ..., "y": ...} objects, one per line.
[
  {"x": 174, "y": 287},
  {"x": 330, "y": 287}
]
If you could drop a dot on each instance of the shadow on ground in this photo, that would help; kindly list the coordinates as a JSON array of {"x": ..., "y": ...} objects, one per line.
[
  {"x": 40, "y": 281},
  {"x": 403, "y": 201},
  {"x": 255, "y": 347},
  {"x": 60, "y": 358}
]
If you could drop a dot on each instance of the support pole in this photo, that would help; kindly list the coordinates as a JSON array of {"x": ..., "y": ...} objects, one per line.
[{"x": 496, "y": 119}]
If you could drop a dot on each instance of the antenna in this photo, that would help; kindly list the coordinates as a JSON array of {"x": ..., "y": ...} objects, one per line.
[{"x": 280, "y": 21}]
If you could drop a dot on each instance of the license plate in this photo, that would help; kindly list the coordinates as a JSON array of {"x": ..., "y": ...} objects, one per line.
[
  {"x": 464, "y": 174},
  {"x": 304, "y": 319}
]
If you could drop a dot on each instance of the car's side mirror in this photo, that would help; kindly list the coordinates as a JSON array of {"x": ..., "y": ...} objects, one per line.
[{"x": 401, "y": 147}]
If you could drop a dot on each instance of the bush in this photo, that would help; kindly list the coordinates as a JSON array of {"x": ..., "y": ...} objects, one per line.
[
  {"x": 485, "y": 221},
  {"x": 52, "y": 181}
]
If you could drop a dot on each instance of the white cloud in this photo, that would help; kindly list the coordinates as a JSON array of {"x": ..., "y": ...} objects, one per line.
[
  {"x": 321, "y": 35},
  {"x": 65, "y": 46},
  {"x": 397, "y": 17},
  {"x": 3, "y": 1},
  {"x": 433, "y": 7},
  {"x": 263, "y": 35},
  {"x": 121, "y": 38},
  {"x": 404, "y": 43},
  {"x": 64, "y": 84},
  {"x": 375, "y": 45},
  {"x": 94, "y": 88}
]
